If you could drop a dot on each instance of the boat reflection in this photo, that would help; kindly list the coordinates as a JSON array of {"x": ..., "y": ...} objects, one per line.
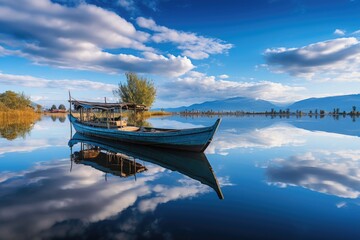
[
  {"x": 120, "y": 159},
  {"x": 107, "y": 161}
]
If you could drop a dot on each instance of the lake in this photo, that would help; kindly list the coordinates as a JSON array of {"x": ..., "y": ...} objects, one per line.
[{"x": 260, "y": 178}]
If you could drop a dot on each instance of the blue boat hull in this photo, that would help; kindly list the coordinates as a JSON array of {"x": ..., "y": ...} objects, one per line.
[{"x": 195, "y": 139}]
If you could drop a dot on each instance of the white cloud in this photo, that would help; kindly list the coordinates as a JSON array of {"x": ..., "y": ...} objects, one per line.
[
  {"x": 223, "y": 76},
  {"x": 38, "y": 98},
  {"x": 339, "y": 32},
  {"x": 80, "y": 37},
  {"x": 127, "y": 4},
  {"x": 34, "y": 82},
  {"x": 197, "y": 87},
  {"x": 135, "y": 6},
  {"x": 332, "y": 60},
  {"x": 192, "y": 45},
  {"x": 356, "y": 32}
]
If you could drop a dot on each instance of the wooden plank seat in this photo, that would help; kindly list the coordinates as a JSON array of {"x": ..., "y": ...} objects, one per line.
[{"x": 129, "y": 129}]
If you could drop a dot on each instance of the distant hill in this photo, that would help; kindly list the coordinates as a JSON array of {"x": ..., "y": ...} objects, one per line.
[
  {"x": 344, "y": 103},
  {"x": 231, "y": 104}
]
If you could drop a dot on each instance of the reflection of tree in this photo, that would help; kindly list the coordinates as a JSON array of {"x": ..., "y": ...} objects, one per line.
[
  {"x": 18, "y": 127},
  {"x": 138, "y": 119},
  {"x": 53, "y": 118},
  {"x": 62, "y": 119}
]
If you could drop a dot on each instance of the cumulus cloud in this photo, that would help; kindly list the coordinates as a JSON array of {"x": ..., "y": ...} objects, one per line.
[
  {"x": 197, "y": 87},
  {"x": 336, "y": 60},
  {"x": 339, "y": 32},
  {"x": 192, "y": 45},
  {"x": 335, "y": 173},
  {"x": 30, "y": 81},
  {"x": 80, "y": 37}
]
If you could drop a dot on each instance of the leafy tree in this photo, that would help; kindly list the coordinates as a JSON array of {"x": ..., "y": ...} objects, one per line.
[
  {"x": 62, "y": 107},
  {"x": 13, "y": 100},
  {"x": 38, "y": 108},
  {"x": 136, "y": 90},
  {"x": 53, "y": 107}
]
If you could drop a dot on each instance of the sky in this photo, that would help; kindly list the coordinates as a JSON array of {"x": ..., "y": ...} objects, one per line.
[{"x": 194, "y": 51}]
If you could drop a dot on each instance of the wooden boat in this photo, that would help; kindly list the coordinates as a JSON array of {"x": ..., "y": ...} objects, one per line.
[
  {"x": 110, "y": 127},
  {"x": 192, "y": 164}
]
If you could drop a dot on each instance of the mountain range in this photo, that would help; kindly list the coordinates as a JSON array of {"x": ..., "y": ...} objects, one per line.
[{"x": 343, "y": 103}]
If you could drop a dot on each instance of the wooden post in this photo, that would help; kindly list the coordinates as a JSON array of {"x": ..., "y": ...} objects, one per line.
[
  {"x": 71, "y": 158},
  {"x": 70, "y": 102},
  {"x": 70, "y": 116}
]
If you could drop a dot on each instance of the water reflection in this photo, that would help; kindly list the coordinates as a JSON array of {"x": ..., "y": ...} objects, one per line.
[
  {"x": 60, "y": 117},
  {"x": 311, "y": 188},
  {"x": 16, "y": 127},
  {"x": 277, "y": 135},
  {"x": 138, "y": 119},
  {"x": 120, "y": 159},
  {"x": 106, "y": 161},
  {"x": 331, "y": 172},
  {"x": 49, "y": 201}
]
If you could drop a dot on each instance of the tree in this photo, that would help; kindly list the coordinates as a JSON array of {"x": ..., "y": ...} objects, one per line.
[
  {"x": 62, "y": 107},
  {"x": 38, "y": 108},
  {"x": 13, "y": 100},
  {"x": 136, "y": 90},
  {"x": 53, "y": 107}
]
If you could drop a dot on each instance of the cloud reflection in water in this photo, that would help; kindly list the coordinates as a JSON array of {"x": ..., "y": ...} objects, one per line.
[
  {"x": 330, "y": 172},
  {"x": 277, "y": 135},
  {"x": 50, "y": 197}
]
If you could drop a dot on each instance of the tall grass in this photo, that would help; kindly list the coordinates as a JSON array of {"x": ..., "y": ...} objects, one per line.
[
  {"x": 18, "y": 115},
  {"x": 156, "y": 113}
]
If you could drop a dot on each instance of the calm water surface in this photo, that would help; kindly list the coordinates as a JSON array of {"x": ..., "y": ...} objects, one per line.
[{"x": 279, "y": 179}]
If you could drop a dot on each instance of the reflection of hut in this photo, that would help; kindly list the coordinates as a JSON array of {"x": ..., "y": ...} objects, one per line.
[{"x": 109, "y": 162}]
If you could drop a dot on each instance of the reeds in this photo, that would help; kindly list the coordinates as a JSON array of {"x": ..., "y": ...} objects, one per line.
[
  {"x": 18, "y": 115},
  {"x": 156, "y": 113}
]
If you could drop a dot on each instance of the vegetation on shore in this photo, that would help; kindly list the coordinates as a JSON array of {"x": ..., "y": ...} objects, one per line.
[
  {"x": 136, "y": 90},
  {"x": 17, "y": 105},
  {"x": 281, "y": 113},
  {"x": 17, "y": 116}
]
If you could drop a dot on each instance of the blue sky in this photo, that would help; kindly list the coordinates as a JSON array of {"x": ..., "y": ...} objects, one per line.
[{"x": 194, "y": 51}]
